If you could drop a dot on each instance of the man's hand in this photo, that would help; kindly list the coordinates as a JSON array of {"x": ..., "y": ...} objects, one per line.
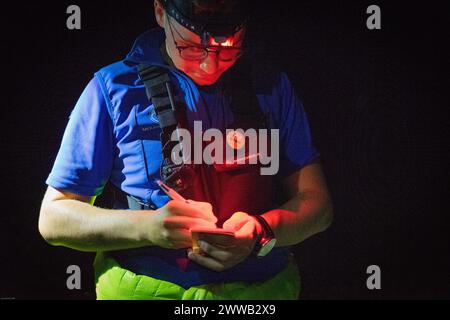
[
  {"x": 170, "y": 227},
  {"x": 246, "y": 230}
]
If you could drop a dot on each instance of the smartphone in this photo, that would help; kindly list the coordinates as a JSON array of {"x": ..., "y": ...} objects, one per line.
[{"x": 217, "y": 237}]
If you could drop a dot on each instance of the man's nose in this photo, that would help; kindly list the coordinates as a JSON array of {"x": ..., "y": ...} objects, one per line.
[{"x": 210, "y": 64}]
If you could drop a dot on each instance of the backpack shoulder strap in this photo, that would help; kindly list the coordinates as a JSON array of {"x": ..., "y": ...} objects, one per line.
[
  {"x": 160, "y": 93},
  {"x": 169, "y": 109}
]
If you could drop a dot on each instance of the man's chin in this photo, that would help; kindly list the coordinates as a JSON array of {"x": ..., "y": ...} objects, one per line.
[{"x": 204, "y": 81}]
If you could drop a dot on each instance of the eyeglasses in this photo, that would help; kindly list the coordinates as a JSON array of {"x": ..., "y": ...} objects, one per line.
[{"x": 196, "y": 52}]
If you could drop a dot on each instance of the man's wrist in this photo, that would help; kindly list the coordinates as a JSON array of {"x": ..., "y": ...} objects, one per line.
[
  {"x": 259, "y": 229},
  {"x": 265, "y": 239}
]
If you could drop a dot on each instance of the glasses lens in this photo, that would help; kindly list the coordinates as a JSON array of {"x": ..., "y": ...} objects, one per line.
[
  {"x": 193, "y": 53},
  {"x": 198, "y": 53}
]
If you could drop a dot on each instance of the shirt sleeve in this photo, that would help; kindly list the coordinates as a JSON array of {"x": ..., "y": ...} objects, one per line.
[
  {"x": 296, "y": 146},
  {"x": 84, "y": 161}
]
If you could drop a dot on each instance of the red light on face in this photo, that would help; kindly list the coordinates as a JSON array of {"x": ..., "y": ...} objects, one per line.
[{"x": 227, "y": 43}]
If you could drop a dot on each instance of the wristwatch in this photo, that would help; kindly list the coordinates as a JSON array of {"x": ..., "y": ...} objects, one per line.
[{"x": 266, "y": 240}]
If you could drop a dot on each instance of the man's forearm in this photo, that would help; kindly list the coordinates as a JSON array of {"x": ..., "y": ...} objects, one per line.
[
  {"x": 300, "y": 218},
  {"x": 81, "y": 226}
]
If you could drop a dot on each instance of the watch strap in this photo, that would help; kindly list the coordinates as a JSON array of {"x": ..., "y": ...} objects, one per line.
[
  {"x": 267, "y": 230},
  {"x": 266, "y": 235}
]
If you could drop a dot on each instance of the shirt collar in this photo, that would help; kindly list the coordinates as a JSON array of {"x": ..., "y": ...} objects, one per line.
[{"x": 146, "y": 48}]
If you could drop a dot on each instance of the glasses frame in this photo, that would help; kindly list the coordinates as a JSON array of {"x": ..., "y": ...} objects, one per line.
[{"x": 206, "y": 49}]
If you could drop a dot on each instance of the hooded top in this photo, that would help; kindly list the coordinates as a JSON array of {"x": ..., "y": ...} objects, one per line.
[{"x": 109, "y": 131}]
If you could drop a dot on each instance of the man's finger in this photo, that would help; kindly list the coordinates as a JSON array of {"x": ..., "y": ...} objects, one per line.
[
  {"x": 207, "y": 262},
  {"x": 214, "y": 251},
  {"x": 187, "y": 222},
  {"x": 182, "y": 208},
  {"x": 236, "y": 221},
  {"x": 246, "y": 232}
]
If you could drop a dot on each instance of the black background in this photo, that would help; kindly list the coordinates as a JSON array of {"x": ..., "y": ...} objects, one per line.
[{"x": 377, "y": 104}]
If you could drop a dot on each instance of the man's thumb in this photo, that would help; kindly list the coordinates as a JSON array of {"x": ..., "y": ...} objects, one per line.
[{"x": 235, "y": 222}]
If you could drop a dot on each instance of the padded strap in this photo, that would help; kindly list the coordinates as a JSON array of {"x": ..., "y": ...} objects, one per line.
[
  {"x": 170, "y": 112},
  {"x": 159, "y": 92}
]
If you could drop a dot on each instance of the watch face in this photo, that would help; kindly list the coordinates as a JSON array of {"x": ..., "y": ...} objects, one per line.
[{"x": 266, "y": 248}]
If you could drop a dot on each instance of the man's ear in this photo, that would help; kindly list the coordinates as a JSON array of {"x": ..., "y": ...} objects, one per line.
[{"x": 159, "y": 13}]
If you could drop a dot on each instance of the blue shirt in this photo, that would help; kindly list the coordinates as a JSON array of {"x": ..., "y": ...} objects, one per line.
[{"x": 109, "y": 130}]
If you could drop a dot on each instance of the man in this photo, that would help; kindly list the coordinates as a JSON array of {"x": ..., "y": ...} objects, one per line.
[{"x": 144, "y": 245}]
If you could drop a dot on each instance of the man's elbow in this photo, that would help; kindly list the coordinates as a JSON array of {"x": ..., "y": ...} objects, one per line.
[{"x": 46, "y": 226}]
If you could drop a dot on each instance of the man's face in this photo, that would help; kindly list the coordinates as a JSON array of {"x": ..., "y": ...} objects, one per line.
[{"x": 203, "y": 72}]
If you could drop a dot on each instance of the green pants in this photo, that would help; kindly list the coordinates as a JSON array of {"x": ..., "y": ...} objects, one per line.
[{"x": 116, "y": 283}]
